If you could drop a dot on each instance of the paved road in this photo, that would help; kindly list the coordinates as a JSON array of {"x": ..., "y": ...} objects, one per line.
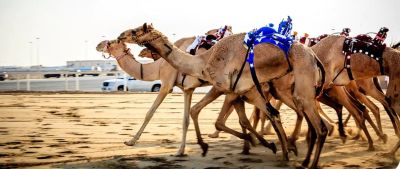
[
  {"x": 56, "y": 84},
  {"x": 90, "y": 84}
]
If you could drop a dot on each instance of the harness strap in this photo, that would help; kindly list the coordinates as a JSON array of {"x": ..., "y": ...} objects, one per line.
[
  {"x": 255, "y": 80},
  {"x": 241, "y": 70},
  {"x": 141, "y": 71},
  {"x": 288, "y": 61},
  {"x": 347, "y": 65}
]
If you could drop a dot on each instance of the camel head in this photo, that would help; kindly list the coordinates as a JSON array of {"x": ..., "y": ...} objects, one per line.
[
  {"x": 114, "y": 47},
  {"x": 141, "y": 35},
  {"x": 147, "y": 53},
  {"x": 396, "y": 46}
]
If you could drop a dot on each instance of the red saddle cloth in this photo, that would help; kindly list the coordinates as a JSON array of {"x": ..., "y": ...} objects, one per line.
[{"x": 363, "y": 44}]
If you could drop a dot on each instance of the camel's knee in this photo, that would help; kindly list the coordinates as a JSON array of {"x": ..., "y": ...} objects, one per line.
[
  {"x": 219, "y": 125},
  {"x": 324, "y": 129},
  {"x": 194, "y": 111},
  {"x": 245, "y": 124}
]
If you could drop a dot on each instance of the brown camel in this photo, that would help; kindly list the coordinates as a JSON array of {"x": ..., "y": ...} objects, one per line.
[
  {"x": 343, "y": 94},
  {"x": 213, "y": 66},
  {"x": 169, "y": 77},
  {"x": 329, "y": 50}
]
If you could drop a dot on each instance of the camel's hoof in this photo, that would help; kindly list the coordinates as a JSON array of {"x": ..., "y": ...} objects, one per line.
[
  {"x": 299, "y": 166},
  {"x": 305, "y": 163},
  {"x": 272, "y": 146},
  {"x": 344, "y": 139},
  {"x": 245, "y": 152},
  {"x": 128, "y": 143},
  {"x": 371, "y": 148},
  {"x": 252, "y": 141},
  {"x": 384, "y": 138},
  {"x": 180, "y": 155},
  {"x": 357, "y": 137},
  {"x": 293, "y": 148},
  {"x": 214, "y": 135},
  {"x": 204, "y": 147}
]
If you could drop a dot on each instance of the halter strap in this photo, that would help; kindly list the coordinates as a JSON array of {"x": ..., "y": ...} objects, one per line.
[{"x": 126, "y": 52}]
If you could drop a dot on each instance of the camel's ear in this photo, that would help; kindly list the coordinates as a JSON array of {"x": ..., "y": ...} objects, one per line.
[
  {"x": 150, "y": 27},
  {"x": 144, "y": 27}
]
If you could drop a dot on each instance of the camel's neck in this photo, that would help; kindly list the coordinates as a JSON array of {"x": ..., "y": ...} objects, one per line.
[
  {"x": 180, "y": 60},
  {"x": 146, "y": 72}
]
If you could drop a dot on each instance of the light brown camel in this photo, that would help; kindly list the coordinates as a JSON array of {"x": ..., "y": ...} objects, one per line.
[
  {"x": 213, "y": 66},
  {"x": 169, "y": 77}
]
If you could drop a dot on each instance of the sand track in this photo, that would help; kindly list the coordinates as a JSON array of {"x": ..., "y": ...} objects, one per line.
[{"x": 87, "y": 130}]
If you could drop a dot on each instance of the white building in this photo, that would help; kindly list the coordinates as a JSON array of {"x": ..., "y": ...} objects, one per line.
[{"x": 104, "y": 65}]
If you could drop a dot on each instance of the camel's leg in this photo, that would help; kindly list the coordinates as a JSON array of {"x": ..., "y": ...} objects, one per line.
[
  {"x": 341, "y": 96},
  {"x": 256, "y": 117},
  {"x": 338, "y": 108},
  {"x": 317, "y": 129},
  {"x": 220, "y": 123},
  {"x": 267, "y": 130},
  {"x": 246, "y": 144},
  {"x": 285, "y": 96},
  {"x": 253, "y": 97},
  {"x": 239, "y": 107},
  {"x": 370, "y": 89},
  {"x": 361, "y": 96},
  {"x": 321, "y": 112},
  {"x": 216, "y": 132},
  {"x": 353, "y": 88},
  {"x": 346, "y": 120},
  {"x": 393, "y": 98},
  {"x": 187, "y": 94},
  {"x": 194, "y": 113},
  {"x": 160, "y": 97},
  {"x": 276, "y": 103}
]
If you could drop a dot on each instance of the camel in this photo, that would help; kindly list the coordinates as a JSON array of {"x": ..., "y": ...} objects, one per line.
[
  {"x": 329, "y": 50},
  {"x": 213, "y": 66},
  {"x": 357, "y": 89},
  {"x": 333, "y": 62},
  {"x": 169, "y": 77}
]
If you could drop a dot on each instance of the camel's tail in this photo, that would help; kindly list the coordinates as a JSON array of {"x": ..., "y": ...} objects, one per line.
[{"x": 318, "y": 90}]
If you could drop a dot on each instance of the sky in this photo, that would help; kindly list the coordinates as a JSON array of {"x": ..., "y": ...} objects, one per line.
[{"x": 51, "y": 32}]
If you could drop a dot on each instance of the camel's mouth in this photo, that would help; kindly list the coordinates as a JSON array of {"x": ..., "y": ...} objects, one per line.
[{"x": 102, "y": 46}]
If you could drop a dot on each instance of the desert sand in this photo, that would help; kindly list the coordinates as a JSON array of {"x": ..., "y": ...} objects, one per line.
[{"x": 87, "y": 130}]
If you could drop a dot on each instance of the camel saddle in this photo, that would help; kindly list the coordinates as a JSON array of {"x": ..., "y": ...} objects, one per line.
[
  {"x": 365, "y": 44},
  {"x": 281, "y": 38}
]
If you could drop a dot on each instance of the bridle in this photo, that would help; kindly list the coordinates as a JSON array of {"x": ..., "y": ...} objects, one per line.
[
  {"x": 136, "y": 37},
  {"x": 126, "y": 52},
  {"x": 109, "y": 55}
]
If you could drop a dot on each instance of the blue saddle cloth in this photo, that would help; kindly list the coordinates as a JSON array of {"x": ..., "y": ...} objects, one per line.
[{"x": 281, "y": 38}]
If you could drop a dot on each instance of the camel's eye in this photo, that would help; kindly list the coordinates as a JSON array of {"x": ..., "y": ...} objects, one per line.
[{"x": 133, "y": 32}]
